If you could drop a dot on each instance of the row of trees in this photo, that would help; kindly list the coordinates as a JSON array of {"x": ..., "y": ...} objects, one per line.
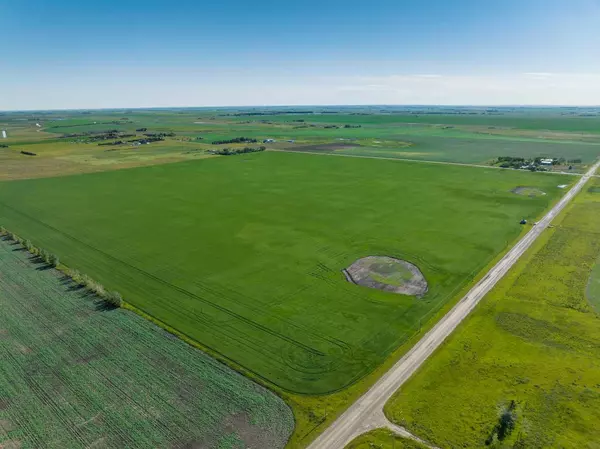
[
  {"x": 42, "y": 254},
  {"x": 82, "y": 280},
  {"x": 235, "y": 140},
  {"x": 233, "y": 151},
  {"x": 170, "y": 134}
]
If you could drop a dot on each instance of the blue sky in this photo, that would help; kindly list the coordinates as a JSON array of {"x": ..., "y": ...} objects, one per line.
[{"x": 83, "y": 54}]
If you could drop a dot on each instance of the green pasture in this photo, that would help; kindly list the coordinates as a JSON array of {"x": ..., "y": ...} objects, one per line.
[
  {"x": 383, "y": 439},
  {"x": 534, "y": 342},
  {"x": 244, "y": 253},
  {"x": 74, "y": 374}
]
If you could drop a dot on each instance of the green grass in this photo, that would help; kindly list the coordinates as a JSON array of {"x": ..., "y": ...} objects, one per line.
[
  {"x": 534, "y": 340},
  {"x": 593, "y": 287},
  {"x": 244, "y": 254},
  {"x": 75, "y": 375},
  {"x": 383, "y": 439}
]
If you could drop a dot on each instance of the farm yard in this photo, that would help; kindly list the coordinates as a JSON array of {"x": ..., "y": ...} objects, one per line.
[
  {"x": 241, "y": 252},
  {"x": 76, "y": 375},
  {"x": 523, "y": 370}
]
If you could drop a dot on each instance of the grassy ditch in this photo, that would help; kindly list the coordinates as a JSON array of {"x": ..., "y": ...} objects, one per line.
[{"x": 523, "y": 370}]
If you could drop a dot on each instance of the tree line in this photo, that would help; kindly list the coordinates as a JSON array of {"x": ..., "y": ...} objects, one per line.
[
  {"x": 235, "y": 140},
  {"x": 82, "y": 280},
  {"x": 234, "y": 151}
]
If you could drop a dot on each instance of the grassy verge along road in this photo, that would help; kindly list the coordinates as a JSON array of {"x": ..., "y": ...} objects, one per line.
[{"x": 366, "y": 414}]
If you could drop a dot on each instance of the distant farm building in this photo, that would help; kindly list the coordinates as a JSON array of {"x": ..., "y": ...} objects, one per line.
[
  {"x": 546, "y": 162},
  {"x": 4, "y": 134},
  {"x": 268, "y": 140}
]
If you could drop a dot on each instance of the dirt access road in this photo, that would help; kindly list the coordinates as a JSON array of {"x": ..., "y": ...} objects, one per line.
[{"x": 367, "y": 413}]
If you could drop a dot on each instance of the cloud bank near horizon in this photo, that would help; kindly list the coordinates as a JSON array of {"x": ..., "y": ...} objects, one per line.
[{"x": 532, "y": 88}]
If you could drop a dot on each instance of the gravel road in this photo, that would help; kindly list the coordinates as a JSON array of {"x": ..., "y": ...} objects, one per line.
[{"x": 367, "y": 413}]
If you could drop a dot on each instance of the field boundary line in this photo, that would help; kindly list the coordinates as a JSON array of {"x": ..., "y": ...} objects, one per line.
[
  {"x": 423, "y": 161},
  {"x": 364, "y": 414}
]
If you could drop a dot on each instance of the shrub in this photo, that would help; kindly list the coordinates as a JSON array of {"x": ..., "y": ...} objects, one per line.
[
  {"x": 76, "y": 276},
  {"x": 44, "y": 255},
  {"x": 87, "y": 281},
  {"x": 506, "y": 424},
  {"x": 98, "y": 289},
  {"x": 114, "y": 298},
  {"x": 3, "y": 230},
  {"x": 54, "y": 260}
]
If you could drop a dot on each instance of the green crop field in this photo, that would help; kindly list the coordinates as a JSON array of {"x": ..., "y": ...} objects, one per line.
[
  {"x": 529, "y": 356},
  {"x": 75, "y": 375},
  {"x": 244, "y": 254}
]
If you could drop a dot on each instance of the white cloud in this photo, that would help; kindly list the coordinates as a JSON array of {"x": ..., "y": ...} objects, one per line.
[
  {"x": 520, "y": 89},
  {"x": 538, "y": 75}
]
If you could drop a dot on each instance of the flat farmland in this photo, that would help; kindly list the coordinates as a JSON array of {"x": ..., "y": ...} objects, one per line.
[
  {"x": 472, "y": 149},
  {"x": 69, "y": 142},
  {"x": 523, "y": 370},
  {"x": 77, "y": 375},
  {"x": 244, "y": 254}
]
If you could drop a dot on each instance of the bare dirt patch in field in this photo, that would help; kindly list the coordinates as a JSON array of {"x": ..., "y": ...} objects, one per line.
[
  {"x": 5, "y": 425},
  {"x": 528, "y": 191},
  {"x": 387, "y": 274},
  {"x": 251, "y": 435},
  {"x": 10, "y": 444}
]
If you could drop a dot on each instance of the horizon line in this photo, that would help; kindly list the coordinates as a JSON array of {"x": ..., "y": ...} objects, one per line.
[{"x": 407, "y": 105}]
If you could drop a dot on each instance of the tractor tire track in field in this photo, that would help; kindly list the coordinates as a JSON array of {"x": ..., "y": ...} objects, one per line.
[
  {"x": 367, "y": 412},
  {"x": 341, "y": 346}
]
